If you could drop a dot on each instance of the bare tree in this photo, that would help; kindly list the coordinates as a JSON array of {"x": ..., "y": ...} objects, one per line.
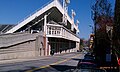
[
  {"x": 102, "y": 16},
  {"x": 116, "y": 31}
]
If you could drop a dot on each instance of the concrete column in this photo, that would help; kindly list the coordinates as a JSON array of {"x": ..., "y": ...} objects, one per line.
[
  {"x": 61, "y": 32},
  {"x": 69, "y": 46},
  {"x": 45, "y": 38},
  {"x": 49, "y": 48},
  {"x": 45, "y": 25},
  {"x": 51, "y": 30},
  {"x": 47, "y": 30}
]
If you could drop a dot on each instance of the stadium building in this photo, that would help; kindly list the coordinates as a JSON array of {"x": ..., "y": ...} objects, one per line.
[{"x": 48, "y": 29}]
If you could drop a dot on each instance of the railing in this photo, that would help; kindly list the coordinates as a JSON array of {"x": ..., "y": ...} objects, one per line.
[
  {"x": 67, "y": 34},
  {"x": 35, "y": 12},
  {"x": 60, "y": 31},
  {"x": 53, "y": 30}
]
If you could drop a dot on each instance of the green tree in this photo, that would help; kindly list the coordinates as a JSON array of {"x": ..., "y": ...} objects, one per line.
[{"x": 81, "y": 43}]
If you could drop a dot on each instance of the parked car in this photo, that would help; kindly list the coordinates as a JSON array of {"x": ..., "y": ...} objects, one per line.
[
  {"x": 87, "y": 62},
  {"x": 86, "y": 65},
  {"x": 89, "y": 57}
]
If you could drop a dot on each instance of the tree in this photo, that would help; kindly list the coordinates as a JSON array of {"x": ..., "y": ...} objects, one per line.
[
  {"x": 102, "y": 16},
  {"x": 81, "y": 43},
  {"x": 116, "y": 27}
]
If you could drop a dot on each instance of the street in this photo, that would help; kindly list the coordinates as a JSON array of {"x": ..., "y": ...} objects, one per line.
[{"x": 56, "y": 63}]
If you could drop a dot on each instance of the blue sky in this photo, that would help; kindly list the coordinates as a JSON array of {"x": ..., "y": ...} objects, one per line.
[{"x": 13, "y": 11}]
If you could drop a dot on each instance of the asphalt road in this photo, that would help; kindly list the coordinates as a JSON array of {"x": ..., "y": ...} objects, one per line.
[{"x": 56, "y": 63}]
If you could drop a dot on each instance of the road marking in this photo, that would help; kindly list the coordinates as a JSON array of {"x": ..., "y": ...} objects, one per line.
[{"x": 52, "y": 64}]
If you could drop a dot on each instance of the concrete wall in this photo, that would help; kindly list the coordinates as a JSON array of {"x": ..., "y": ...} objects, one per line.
[
  {"x": 16, "y": 38},
  {"x": 25, "y": 45},
  {"x": 23, "y": 50},
  {"x": 20, "y": 48},
  {"x": 39, "y": 46}
]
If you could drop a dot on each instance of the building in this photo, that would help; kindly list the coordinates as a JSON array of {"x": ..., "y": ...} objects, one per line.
[
  {"x": 58, "y": 29},
  {"x": 5, "y": 27},
  {"x": 91, "y": 40}
]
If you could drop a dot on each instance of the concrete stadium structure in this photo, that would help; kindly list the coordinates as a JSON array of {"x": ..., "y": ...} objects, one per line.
[
  {"x": 5, "y": 27},
  {"x": 48, "y": 29}
]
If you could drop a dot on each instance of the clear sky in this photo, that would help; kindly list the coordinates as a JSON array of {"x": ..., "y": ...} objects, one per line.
[{"x": 13, "y": 11}]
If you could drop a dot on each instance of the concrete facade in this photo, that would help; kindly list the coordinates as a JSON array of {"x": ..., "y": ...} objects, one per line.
[
  {"x": 24, "y": 49},
  {"x": 41, "y": 33}
]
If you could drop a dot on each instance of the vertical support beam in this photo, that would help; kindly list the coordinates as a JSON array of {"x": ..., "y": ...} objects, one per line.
[
  {"x": 47, "y": 30},
  {"x": 69, "y": 45},
  {"x": 61, "y": 32},
  {"x": 73, "y": 15},
  {"x": 51, "y": 30},
  {"x": 45, "y": 25},
  {"x": 63, "y": 11},
  {"x": 29, "y": 29},
  {"x": 59, "y": 45},
  {"x": 48, "y": 53},
  {"x": 45, "y": 38}
]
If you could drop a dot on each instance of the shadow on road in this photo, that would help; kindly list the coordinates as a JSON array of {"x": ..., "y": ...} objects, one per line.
[
  {"x": 55, "y": 68},
  {"x": 62, "y": 67},
  {"x": 76, "y": 59},
  {"x": 15, "y": 71}
]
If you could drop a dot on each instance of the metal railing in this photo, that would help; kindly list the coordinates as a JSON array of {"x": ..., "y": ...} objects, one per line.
[
  {"x": 34, "y": 12},
  {"x": 64, "y": 32}
]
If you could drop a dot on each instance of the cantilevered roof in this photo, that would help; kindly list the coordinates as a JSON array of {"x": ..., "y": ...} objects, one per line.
[
  {"x": 45, "y": 10},
  {"x": 5, "y": 27}
]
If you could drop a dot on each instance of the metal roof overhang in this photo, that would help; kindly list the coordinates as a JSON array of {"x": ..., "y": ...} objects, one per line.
[{"x": 54, "y": 9}]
